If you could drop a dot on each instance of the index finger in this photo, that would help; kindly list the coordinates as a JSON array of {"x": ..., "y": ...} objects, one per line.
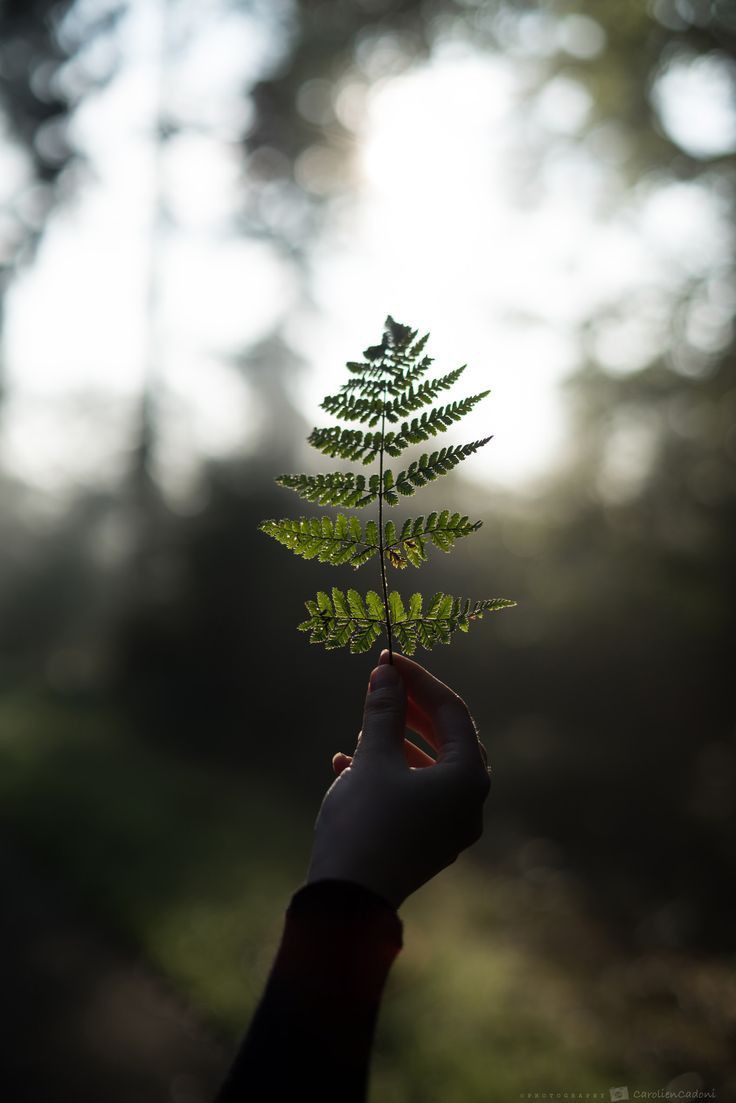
[{"x": 452, "y": 727}]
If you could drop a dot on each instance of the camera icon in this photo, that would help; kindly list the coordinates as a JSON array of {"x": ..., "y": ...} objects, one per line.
[{"x": 618, "y": 1094}]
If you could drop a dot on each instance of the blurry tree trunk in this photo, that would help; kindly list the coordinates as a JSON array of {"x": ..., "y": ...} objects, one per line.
[
  {"x": 145, "y": 494},
  {"x": 3, "y": 381},
  {"x": 36, "y": 45}
]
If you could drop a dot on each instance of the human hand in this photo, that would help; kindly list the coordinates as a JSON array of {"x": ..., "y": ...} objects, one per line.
[{"x": 394, "y": 817}]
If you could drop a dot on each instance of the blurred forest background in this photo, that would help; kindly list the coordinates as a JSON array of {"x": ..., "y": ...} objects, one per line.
[{"x": 205, "y": 210}]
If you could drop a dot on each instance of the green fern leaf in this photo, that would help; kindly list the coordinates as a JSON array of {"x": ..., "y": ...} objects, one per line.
[
  {"x": 396, "y": 608},
  {"x": 338, "y": 542},
  {"x": 348, "y": 619},
  {"x": 338, "y": 488},
  {"x": 441, "y": 529},
  {"x": 388, "y": 384},
  {"x": 355, "y": 602},
  {"x": 344, "y": 619},
  {"x": 444, "y": 616},
  {"x": 374, "y": 606},
  {"x": 347, "y": 444},
  {"x": 374, "y": 401},
  {"x": 429, "y": 424},
  {"x": 431, "y": 466},
  {"x": 415, "y": 397},
  {"x": 349, "y": 408}
]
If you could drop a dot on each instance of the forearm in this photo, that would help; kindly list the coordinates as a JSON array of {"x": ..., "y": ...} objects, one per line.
[{"x": 313, "y": 1030}]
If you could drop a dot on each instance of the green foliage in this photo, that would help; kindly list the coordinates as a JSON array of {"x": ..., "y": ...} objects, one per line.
[
  {"x": 349, "y": 619},
  {"x": 338, "y": 541},
  {"x": 386, "y": 386},
  {"x": 351, "y": 444},
  {"x": 346, "y": 540}
]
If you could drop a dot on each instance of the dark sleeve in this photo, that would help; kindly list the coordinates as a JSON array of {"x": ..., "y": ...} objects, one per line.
[{"x": 312, "y": 1032}]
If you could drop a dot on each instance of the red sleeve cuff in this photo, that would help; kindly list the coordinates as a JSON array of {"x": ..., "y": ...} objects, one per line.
[
  {"x": 342, "y": 904},
  {"x": 344, "y": 937}
]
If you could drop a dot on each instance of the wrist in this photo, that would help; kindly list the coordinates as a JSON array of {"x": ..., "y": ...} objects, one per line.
[{"x": 334, "y": 871}]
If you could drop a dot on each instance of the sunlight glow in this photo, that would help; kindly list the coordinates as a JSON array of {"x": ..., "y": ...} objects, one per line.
[
  {"x": 695, "y": 100},
  {"x": 449, "y": 228}
]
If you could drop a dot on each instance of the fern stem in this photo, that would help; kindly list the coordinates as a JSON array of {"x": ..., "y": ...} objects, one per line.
[{"x": 380, "y": 528}]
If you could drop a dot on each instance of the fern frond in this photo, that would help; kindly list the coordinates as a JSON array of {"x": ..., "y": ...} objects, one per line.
[
  {"x": 440, "y": 529},
  {"x": 374, "y": 388},
  {"x": 345, "y": 541},
  {"x": 426, "y": 469},
  {"x": 386, "y": 386},
  {"x": 372, "y": 405},
  {"x": 396, "y": 357},
  {"x": 344, "y": 619},
  {"x": 340, "y": 541},
  {"x": 444, "y": 616},
  {"x": 337, "y": 488},
  {"x": 413, "y": 398},
  {"x": 349, "y": 619},
  {"x": 396, "y": 380},
  {"x": 374, "y": 400},
  {"x": 346, "y": 444},
  {"x": 352, "y": 444},
  {"x": 429, "y": 424},
  {"x": 347, "y": 488},
  {"x": 348, "y": 408}
]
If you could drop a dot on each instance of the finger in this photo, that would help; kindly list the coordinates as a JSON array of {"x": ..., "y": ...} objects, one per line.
[
  {"x": 384, "y": 716},
  {"x": 420, "y": 723},
  {"x": 444, "y": 715},
  {"x": 340, "y": 762},
  {"x": 417, "y": 722},
  {"x": 414, "y": 755}
]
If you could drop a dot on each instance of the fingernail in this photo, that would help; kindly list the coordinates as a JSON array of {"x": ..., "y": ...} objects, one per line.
[
  {"x": 384, "y": 657},
  {"x": 382, "y": 676}
]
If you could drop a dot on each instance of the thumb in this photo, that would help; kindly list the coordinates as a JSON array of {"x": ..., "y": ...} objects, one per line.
[{"x": 384, "y": 715}]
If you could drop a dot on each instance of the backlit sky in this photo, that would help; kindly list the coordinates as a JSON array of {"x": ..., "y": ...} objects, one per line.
[{"x": 436, "y": 234}]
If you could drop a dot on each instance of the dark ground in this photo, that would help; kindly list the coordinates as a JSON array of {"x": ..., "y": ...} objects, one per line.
[{"x": 68, "y": 989}]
